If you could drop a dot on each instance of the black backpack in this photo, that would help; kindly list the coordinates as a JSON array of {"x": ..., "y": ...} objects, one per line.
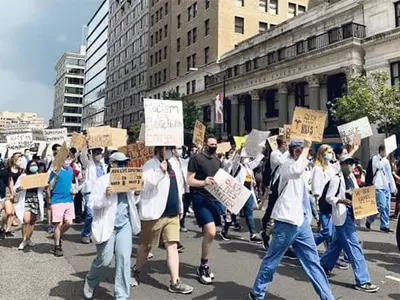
[
  {"x": 325, "y": 207},
  {"x": 369, "y": 176}
]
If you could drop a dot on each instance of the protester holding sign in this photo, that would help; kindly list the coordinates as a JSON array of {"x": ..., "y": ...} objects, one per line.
[
  {"x": 345, "y": 237},
  {"x": 29, "y": 205},
  {"x": 6, "y": 182},
  {"x": 115, "y": 220},
  {"x": 160, "y": 208},
  {"x": 292, "y": 227}
]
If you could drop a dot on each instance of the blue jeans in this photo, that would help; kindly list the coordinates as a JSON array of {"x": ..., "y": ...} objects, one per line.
[
  {"x": 325, "y": 233},
  {"x": 248, "y": 214},
  {"x": 314, "y": 210},
  {"x": 87, "y": 226},
  {"x": 383, "y": 202},
  {"x": 302, "y": 240},
  {"x": 345, "y": 238},
  {"x": 120, "y": 244}
]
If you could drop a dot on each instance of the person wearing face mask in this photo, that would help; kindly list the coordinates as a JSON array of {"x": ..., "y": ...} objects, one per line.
[
  {"x": 62, "y": 204},
  {"x": 115, "y": 220},
  {"x": 160, "y": 207},
  {"x": 29, "y": 206},
  {"x": 201, "y": 169},
  {"x": 94, "y": 168},
  {"x": 345, "y": 238},
  {"x": 292, "y": 227}
]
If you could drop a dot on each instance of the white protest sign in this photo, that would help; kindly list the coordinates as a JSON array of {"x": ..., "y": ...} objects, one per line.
[
  {"x": 163, "y": 122},
  {"x": 272, "y": 142},
  {"x": 390, "y": 144},
  {"x": 38, "y": 135},
  {"x": 55, "y": 135},
  {"x": 360, "y": 126},
  {"x": 19, "y": 142},
  {"x": 3, "y": 150},
  {"x": 255, "y": 162},
  {"x": 254, "y": 143},
  {"x": 228, "y": 191}
]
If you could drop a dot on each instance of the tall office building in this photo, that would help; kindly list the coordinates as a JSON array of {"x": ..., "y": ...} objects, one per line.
[
  {"x": 95, "y": 68},
  {"x": 127, "y": 62},
  {"x": 189, "y": 35},
  {"x": 67, "y": 111}
]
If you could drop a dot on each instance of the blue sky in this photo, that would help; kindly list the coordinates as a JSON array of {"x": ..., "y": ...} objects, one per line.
[{"x": 34, "y": 34}]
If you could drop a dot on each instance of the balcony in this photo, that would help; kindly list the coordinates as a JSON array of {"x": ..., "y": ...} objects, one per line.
[{"x": 335, "y": 35}]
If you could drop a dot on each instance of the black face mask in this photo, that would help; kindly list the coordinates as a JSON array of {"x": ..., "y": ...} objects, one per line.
[{"x": 211, "y": 150}]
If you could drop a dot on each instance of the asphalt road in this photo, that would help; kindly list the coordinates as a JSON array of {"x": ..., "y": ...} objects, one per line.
[{"x": 37, "y": 274}]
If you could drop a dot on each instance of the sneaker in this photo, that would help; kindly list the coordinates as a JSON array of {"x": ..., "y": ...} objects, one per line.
[
  {"x": 9, "y": 234},
  {"x": 29, "y": 243},
  {"x": 150, "y": 256},
  {"x": 180, "y": 288},
  {"x": 256, "y": 239},
  {"x": 183, "y": 229},
  {"x": 252, "y": 297},
  {"x": 86, "y": 240},
  {"x": 135, "y": 279},
  {"x": 341, "y": 265},
  {"x": 22, "y": 245},
  {"x": 387, "y": 230},
  {"x": 237, "y": 227},
  {"x": 368, "y": 225},
  {"x": 58, "y": 252},
  {"x": 204, "y": 273},
  {"x": 367, "y": 287},
  {"x": 290, "y": 255},
  {"x": 224, "y": 236},
  {"x": 87, "y": 290},
  {"x": 180, "y": 247},
  {"x": 50, "y": 229},
  {"x": 2, "y": 234},
  {"x": 265, "y": 240}
]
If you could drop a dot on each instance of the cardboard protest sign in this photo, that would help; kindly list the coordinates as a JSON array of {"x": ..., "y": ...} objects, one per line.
[
  {"x": 78, "y": 141},
  {"x": 390, "y": 144},
  {"x": 126, "y": 179},
  {"x": 60, "y": 157},
  {"x": 138, "y": 154},
  {"x": 308, "y": 124},
  {"x": 281, "y": 131},
  {"x": 99, "y": 141},
  {"x": 364, "y": 202},
  {"x": 254, "y": 143},
  {"x": 224, "y": 147},
  {"x": 272, "y": 142},
  {"x": 239, "y": 141},
  {"x": 118, "y": 136},
  {"x": 96, "y": 130},
  {"x": 198, "y": 133},
  {"x": 19, "y": 142},
  {"x": 228, "y": 191},
  {"x": 163, "y": 122},
  {"x": 361, "y": 126},
  {"x": 34, "y": 181},
  {"x": 287, "y": 129}
]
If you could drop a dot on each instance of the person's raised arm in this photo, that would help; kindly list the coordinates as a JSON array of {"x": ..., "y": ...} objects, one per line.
[{"x": 297, "y": 169}]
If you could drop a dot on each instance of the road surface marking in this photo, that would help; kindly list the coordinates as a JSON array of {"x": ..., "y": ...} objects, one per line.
[{"x": 393, "y": 278}]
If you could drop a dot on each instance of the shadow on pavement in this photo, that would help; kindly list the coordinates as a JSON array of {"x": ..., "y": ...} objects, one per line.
[
  {"x": 248, "y": 247},
  {"x": 73, "y": 290},
  {"x": 394, "y": 296},
  {"x": 12, "y": 242},
  {"x": 381, "y": 246},
  {"x": 387, "y": 261}
]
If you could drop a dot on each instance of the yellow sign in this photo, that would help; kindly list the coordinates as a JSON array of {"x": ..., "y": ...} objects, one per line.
[
  {"x": 287, "y": 129},
  {"x": 34, "y": 181},
  {"x": 99, "y": 141},
  {"x": 239, "y": 141},
  {"x": 364, "y": 202},
  {"x": 78, "y": 141},
  {"x": 308, "y": 124},
  {"x": 198, "y": 133},
  {"x": 126, "y": 179},
  {"x": 224, "y": 147}
]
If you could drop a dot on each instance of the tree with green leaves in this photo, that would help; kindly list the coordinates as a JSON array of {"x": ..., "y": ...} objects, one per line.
[
  {"x": 133, "y": 132},
  {"x": 370, "y": 96}
]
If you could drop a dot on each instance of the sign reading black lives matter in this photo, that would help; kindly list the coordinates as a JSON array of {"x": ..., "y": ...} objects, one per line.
[
  {"x": 163, "y": 122},
  {"x": 126, "y": 179}
]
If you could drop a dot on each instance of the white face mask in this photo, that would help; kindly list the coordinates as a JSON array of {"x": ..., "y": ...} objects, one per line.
[
  {"x": 179, "y": 152},
  {"x": 328, "y": 156},
  {"x": 167, "y": 154},
  {"x": 98, "y": 157},
  {"x": 21, "y": 163}
]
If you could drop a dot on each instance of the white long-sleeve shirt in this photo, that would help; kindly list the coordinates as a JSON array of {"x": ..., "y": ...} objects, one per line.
[
  {"x": 277, "y": 159},
  {"x": 320, "y": 177},
  {"x": 383, "y": 180}
]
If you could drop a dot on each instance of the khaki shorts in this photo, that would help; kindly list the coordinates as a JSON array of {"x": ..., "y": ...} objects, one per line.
[{"x": 151, "y": 232}]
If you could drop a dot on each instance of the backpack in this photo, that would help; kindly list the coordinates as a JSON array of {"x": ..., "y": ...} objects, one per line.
[
  {"x": 272, "y": 198},
  {"x": 325, "y": 207},
  {"x": 369, "y": 176},
  {"x": 267, "y": 172}
]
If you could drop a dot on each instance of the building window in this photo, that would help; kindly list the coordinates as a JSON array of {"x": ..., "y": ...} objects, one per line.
[
  {"x": 335, "y": 35},
  {"x": 262, "y": 27},
  {"x": 193, "y": 86},
  {"x": 301, "y": 95},
  {"x": 190, "y": 13},
  {"x": 300, "y": 48},
  {"x": 206, "y": 114},
  {"x": 255, "y": 63},
  {"x": 239, "y": 25},
  {"x": 272, "y": 58},
  {"x": 239, "y": 3},
  {"x": 273, "y": 7},
  {"x": 188, "y": 63},
  {"x": 178, "y": 67},
  {"x": 177, "y": 89},
  {"x": 206, "y": 55},
  {"x": 291, "y": 10},
  {"x": 272, "y": 104},
  {"x": 187, "y": 88},
  {"x": 301, "y": 9},
  {"x": 152, "y": 41},
  {"x": 165, "y": 52},
  {"x": 178, "y": 21},
  {"x": 312, "y": 43},
  {"x": 207, "y": 27},
  {"x": 194, "y": 35},
  {"x": 178, "y": 44},
  {"x": 151, "y": 60},
  {"x": 152, "y": 20},
  {"x": 165, "y": 75},
  {"x": 248, "y": 66},
  {"x": 194, "y": 60},
  {"x": 165, "y": 31},
  {"x": 189, "y": 38},
  {"x": 156, "y": 37},
  {"x": 395, "y": 72},
  {"x": 262, "y": 5},
  {"x": 166, "y": 8},
  {"x": 207, "y": 3},
  {"x": 194, "y": 9},
  {"x": 281, "y": 54},
  {"x": 151, "y": 81}
]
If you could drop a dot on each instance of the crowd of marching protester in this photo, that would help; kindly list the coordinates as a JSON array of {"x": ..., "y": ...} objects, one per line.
[{"x": 301, "y": 191}]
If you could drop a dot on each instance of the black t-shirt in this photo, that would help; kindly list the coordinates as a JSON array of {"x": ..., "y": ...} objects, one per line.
[
  {"x": 172, "y": 207},
  {"x": 5, "y": 176},
  {"x": 15, "y": 176},
  {"x": 203, "y": 165}
]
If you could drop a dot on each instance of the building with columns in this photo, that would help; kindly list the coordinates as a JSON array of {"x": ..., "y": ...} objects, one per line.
[{"x": 304, "y": 61}]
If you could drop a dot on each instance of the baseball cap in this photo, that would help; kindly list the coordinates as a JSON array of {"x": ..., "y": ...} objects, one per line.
[
  {"x": 347, "y": 158},
  {"x": 296, "y": 143},
  {"x": 118, "y": 156}
]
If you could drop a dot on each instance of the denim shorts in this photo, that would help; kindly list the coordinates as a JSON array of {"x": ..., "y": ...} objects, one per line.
[{"x": 207, "y": 209}]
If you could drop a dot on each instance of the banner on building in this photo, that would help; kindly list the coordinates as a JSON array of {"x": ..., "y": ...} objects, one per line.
[
  {"x": 349, "y": 130},
  {"x": 308, "y": 124},
  {"x": 19, "y": 142},
  {"x": 198, "y": 133},
  {"x": 228, "y": 191},
  {"x": 219, "y": 109},
  {"x": 390, "y": 144},
  {"x": 364, "y": 202},
  {"x": 163, "y": 122},
  {"x": 254, "y": 143},
  {"x": 126, "y": 179}
]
